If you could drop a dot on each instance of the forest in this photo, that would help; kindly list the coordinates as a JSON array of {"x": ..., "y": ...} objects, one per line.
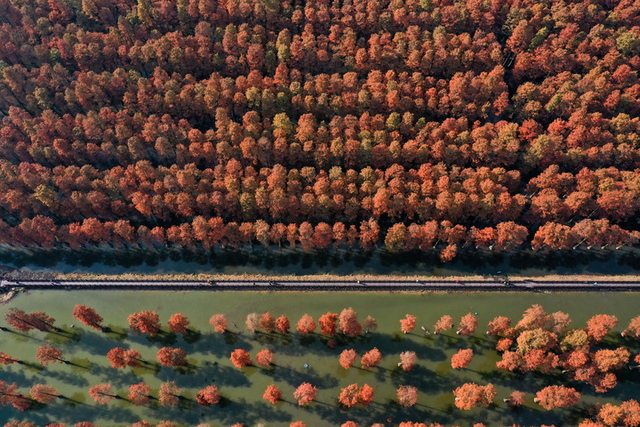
[{"x": 413, "y": 125}]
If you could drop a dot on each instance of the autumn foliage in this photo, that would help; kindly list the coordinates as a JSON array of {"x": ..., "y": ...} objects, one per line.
[
  {"x": 139, "y": 394},
  {"x": 102, "y": 393},
  {"x": 208, "y": 396},
  {"x": 348, "y": 358},
  {"x": 264, "y": 358},
  {"x": 305, "y": 394},
  {"x": 408, "y": 324},
  {"x": 178, "y": 323},
  {"x": 407, "y": 395},
  {"x": 306, "y": 325},
  {"x": 145, "y": 322},
  {"x": 557, "y": 396},
  {"x": 219, "y": 323},
  {"x": 371, "y": 358},
  {"x": 470, "y": 395},
  {"x": 272, "y": 394},
  {"x": 88, "y": 316},
  {"x": 240, "y": 358},
  {"x": 462, "y": 358},
  {"x": 319, "y": 125},
  {"x": 172, "y": 356}
]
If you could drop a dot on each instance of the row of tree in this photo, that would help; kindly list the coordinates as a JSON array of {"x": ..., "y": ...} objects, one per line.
[{"x": 201, "y": 234}]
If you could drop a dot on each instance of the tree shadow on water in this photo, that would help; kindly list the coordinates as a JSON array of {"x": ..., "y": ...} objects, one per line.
[{"x": 310, "y": 375}]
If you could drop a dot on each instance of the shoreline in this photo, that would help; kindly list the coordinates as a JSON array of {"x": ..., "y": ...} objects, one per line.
[{"x": 349, "y": 277}]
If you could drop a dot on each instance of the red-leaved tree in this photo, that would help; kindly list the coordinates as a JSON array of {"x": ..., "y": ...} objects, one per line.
[
  {"x": 102, "y": 393},
  {"x": 139, "y": 394},
  {"x": 407, "y": 395},
  {"x": 120, "y": 358},
  {"x": 145, "y": 322},
  {"x": 169, "y": 394},
  {"x": 470, "y": 395},
  {"x": 264, "y": 358},
  {"x": 240, "y": 358},
  {"x": 208, "y": 396},
  {"x": 462, "y": 358},
  {"x": 219, "y": 323},
  {"x": 43, "y": 393},
  {"x": 272, "y": 394},
  {"x": 172, "y": 356},
  {"x": 305, "y": 394},
  {"x": 178, "y": 323},
  {"x": 88, "y": 316},
  {"x": 306, "y": 325},
  {"x": 557, "y": 396},
  {"x": 283, "y": 325},
  {"x": 408, "y": 360},
  {"x": 328, "y": 323},
  {"x": 371, "y": 358},
  {"x": 47, "y": 354},
  {"x": 348, "y": 358},
  {"x": 468, "y": 324},
  {"x": 348, "y": 322},
  {"x": 408, "y": 324}
]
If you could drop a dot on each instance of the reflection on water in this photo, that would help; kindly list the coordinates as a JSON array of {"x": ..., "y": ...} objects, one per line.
[{"x": 340, "y": 261}]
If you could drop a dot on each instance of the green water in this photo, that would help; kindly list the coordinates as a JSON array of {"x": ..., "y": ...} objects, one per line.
[{"x": 242, "y": 389}]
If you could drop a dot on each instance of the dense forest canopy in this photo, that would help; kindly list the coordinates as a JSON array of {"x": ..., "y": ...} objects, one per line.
[{"x": 417, "y": 124}]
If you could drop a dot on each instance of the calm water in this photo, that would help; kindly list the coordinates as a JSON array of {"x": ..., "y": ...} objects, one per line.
[{"x": 243, "y": 389}]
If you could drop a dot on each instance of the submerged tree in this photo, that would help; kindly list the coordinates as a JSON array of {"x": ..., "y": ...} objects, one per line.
[
  {"x": 282, "y": 324},
  {"x": 208, "y": 396},
  {"x": 47, "y": 354},
  {"x": 305, "y": 394},
  {"x": 306, "y": 325},
  {"x": 470, "y": 395},
  {"x": 348, "y": 358},
  {"x": 43, "y": 393},
  {"x": 407, "y": 395},
  {"x": 169, "y": 394},
  {"x": 468, "y": 324},
  {"x": 219, "y": 323},
  {"x": 102, "y": 393},
  {"x": 443, "y": 324},
  {"x": 348, "y": 322},
  {"x": 139, "y": 394},
  {"x": 408, "y": 360},
  {"x": 179, "y": 324},
  {"x": 272, "y": 394},
  {"x": 462, "y": 358},
  {"x": 556, "y": 396},
  {"x": 88, "y": 316},
  {"x": 240, "y": 358},
  {"x": 145, "y": 322},
  {"x": 120, "y": 358},
  {"x": 371, "y": 358},
  {"x": 172, "y": 356},
  {"x": 264, "y": 358}
]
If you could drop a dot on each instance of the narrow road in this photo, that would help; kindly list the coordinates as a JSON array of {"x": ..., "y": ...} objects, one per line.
[{"x": 353, "y": 285}]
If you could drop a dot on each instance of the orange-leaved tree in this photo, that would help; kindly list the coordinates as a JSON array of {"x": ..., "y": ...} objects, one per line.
[
  {"x": 240, "y": 358},
  {"x": 371, "y": 358},
  {"x": 305, "y": 394},
  {"x": 219, "y": 323},
  {"x": 462, "y": 358},
  {"x": 470, "y": 395},
  {"x": 208, "y": 396},
  {"x": 272, "y": 394},
  {"x": 408, "y": 324}
]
